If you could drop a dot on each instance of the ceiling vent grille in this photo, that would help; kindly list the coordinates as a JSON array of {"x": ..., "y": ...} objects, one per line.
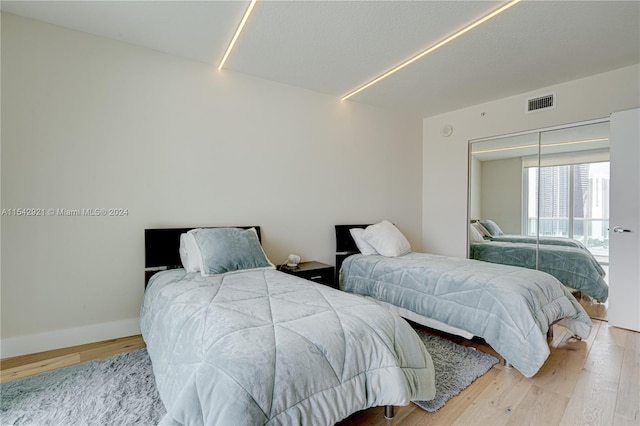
[{"x": 539, "y": 103}]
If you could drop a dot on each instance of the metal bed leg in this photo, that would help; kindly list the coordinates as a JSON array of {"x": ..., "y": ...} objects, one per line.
[
  {"x": 507, "y": 364},
  {"x": 388, "y": 412}
]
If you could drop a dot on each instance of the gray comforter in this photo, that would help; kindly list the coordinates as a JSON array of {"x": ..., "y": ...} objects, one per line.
[
  {"x": 263, "y": 347},
  {"x": 510, "y": 307},
  {"x": 574, "y": 267},
  {"x": 550, "y": 241}
]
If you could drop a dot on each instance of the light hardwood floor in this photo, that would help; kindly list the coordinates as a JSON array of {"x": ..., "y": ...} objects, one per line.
[
  {"x": 29, "y": 365},
  {"x": 595, "y": 381}
]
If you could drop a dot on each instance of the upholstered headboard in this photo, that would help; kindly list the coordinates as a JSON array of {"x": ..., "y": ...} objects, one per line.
[
  {"x": 162, "y": 248},
  {"x": 345, "y": 246}
]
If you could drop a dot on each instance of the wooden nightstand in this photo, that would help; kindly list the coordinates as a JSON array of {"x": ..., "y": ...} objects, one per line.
[{"x": 313, "y": 271}]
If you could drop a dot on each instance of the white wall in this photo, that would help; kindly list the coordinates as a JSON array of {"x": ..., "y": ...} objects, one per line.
[
  {"x": 444, "y": 189},
  {"x": 89, "y": 122},
  {"x": 501, "y": 192}
]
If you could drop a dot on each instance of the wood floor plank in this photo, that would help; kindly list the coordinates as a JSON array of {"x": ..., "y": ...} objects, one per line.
[
  {"x": 594, "y": 398},
  {"x": 563, "y": 367},
  {"x": 539, "y": 406},
  {"x": 628, "y": 402},
  {"x": 496, "y": 403},
  {"x": 38, "y": 367},
  {"x": 612, "y": 335},
  {"x": 29, "y": 365},
  {"x": 89, "y": 348},
  {"x": 116, "y": 347},
  {"x": 456, "y": 405}
]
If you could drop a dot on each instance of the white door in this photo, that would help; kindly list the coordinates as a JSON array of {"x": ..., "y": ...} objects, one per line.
[{"x": 624, "y": 221}]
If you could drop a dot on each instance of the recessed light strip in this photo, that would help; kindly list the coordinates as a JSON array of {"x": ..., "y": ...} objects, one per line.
[
  {"x": 431, "y": 49},
  {"x": 509, "y": 148},
  {"x": 237, "y": 34},
  {"x": 575, "y": 142}
]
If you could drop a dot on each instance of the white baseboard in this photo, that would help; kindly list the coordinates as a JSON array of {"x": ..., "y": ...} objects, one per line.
[{"x": 33, "y": 343}]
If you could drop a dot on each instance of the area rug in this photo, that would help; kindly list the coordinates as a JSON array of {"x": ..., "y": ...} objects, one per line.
[
  {"x": 456, "y": 368},
  {"x": 121, "y": 390}
]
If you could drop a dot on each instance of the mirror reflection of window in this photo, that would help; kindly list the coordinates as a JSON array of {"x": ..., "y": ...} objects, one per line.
[{"x": 574, "y": 186}]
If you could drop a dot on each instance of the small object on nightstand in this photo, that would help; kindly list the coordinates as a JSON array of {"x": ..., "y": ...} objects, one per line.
[
  {"x": 313, "y": 271},
  {"x": 293, "y": 260}
]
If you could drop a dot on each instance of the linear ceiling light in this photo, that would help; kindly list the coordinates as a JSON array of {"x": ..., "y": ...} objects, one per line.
[
  {"x": 237, "y": 34},
  {"x": 575, "y": 142},
  {"x": 509, "y": 148},
  {"x": 431, "y": 49}
]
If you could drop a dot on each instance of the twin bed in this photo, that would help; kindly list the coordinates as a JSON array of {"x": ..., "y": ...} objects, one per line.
[
  {"x": 248, "y": 344},
  {"x": 511, "y": 308},
  {"x": 234, "y": 341}
]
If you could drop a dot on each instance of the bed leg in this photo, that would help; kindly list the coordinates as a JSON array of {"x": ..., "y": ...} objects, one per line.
[
  {"x": 550, "y": 333},
  {"x": 388, "y": 412},
  {"x": 507, "y": 364}
]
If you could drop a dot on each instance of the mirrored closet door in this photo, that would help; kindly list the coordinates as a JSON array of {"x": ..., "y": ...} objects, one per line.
[
  {"x": 573, "y": 186},
  {"x": 541, "y": 200}
]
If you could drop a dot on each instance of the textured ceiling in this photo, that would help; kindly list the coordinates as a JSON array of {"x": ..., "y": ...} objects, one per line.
[{"x": 333, "y": 47}]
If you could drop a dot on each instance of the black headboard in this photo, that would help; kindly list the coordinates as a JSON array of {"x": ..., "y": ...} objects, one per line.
[
  {"x": 161, "y": 248},
  {"x": 345, "y": 246}
]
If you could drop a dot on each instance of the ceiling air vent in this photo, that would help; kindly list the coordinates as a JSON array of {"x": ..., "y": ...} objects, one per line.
[{"x": 538, "y": 103}]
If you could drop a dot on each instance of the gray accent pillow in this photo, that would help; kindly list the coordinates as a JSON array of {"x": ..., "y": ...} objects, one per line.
[
  {"x": 491, "y": 227},
  {"x": 225, "y": 250}
]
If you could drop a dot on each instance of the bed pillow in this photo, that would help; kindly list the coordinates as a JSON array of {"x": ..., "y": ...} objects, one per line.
[
  {"x": 225, "y": 250},
  {"x": 474, "y": 235},
  {"x": 491, "y": 227},
  {"x": 189, "y": 253},
  {"x": 386, "y": 239},
  {"x": 364, "y": 247},
  {"x": 481, "y": 229}
]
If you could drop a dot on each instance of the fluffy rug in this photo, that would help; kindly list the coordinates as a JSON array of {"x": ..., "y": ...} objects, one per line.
[
  {"x": 456, "y": 368},
  {"x": 121, "y": 390}
]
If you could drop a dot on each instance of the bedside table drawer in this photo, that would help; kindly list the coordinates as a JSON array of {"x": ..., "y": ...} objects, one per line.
[
  {"x": 324, "y": 276},
  {"x": 312, "y": 271}
]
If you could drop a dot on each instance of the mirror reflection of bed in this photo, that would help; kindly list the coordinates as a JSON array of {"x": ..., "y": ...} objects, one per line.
[{"x": 540, "y": 200}]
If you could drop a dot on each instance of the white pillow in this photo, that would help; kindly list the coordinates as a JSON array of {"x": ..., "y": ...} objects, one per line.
[
  {"x": 483, "y": 231},
  {"x": 363, "y": 246},
  {"x": 189, "y": 253},
  {"x": 474, "y": 235},
  {"x": 386, "y": 239}
]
